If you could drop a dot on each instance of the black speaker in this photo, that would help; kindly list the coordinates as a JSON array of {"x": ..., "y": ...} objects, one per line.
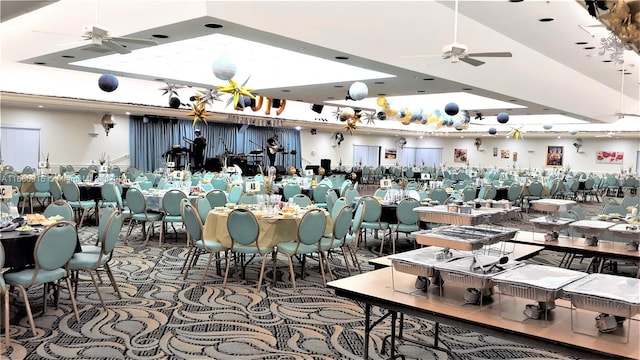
[
  {"x": 313, "y": 167},
  {"x": 213, "y": 164},
  {"x": 326, "y": 165},
  {"x": 276, "y": 103},
  {"x": 317, "y": 108},
  {"x": 280, "y": 170}
]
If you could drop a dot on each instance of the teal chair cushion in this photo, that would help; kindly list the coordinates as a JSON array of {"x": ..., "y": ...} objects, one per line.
[
  {"x": 84, "y": 260},
  {"x": 210, "y": 245},
  {"x": 250, "y": 249},
  {"x": 325, "y": 243},
  {"x": 172, "y": 218},
  {"x": 147, "y": 217},
  {"x": 375, "y": 225},
  {"x": 405, "y": 228},
  {"x": 24, "y": 277},
  {"x": 289, "y": 248}
]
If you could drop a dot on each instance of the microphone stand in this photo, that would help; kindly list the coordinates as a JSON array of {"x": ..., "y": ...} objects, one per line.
[
  {"x": 261, "y": 148},
  {"x": 226, "y": 149}
]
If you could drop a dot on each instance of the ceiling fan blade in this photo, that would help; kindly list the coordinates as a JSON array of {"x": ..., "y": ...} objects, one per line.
[
  {"x": 421, "y": 56},
  {"x": 471, "y": 61},
  {"x": 116, "y": 47},
  {"x": 99, "y": 31},
  {"x": 491, "y": 54},
  {"x": 135, "y": 41}
]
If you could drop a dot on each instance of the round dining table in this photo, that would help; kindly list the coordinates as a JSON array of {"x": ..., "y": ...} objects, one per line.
[
  {"x": 19, "y": 246},
  {"x": 274, "y": 228}
]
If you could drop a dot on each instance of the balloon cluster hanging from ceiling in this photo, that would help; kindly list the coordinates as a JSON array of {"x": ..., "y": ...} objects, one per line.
[{"x": 452, "y": 116}]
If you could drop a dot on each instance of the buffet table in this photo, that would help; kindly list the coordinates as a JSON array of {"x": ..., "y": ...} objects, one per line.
[{"x": 375, "y": 288}]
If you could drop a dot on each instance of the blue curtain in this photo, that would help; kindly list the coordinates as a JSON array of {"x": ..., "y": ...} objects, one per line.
[{"x": 152, "y": 138}]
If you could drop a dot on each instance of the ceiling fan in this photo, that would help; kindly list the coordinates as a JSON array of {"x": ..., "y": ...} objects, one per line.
[
  {"x": 459, "y": 52},
  {"x": 99, "y": 36}
]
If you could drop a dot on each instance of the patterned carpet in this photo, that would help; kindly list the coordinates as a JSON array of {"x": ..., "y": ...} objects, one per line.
[{"x": 163, "y": 317}]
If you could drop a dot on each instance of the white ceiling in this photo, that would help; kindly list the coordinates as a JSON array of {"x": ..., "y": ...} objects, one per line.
[{"x": 549, "y": 74}]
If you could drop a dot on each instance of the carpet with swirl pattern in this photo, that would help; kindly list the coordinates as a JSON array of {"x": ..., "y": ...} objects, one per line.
[{"x": 162, "y": 316}]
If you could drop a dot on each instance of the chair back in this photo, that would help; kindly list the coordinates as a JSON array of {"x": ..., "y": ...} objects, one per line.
[
  {"x": 358, "y": 217},
  {"x": 490, "y": 193},
  {"x": 311, "y": 227},
  {"x": 589, "y": 183},
  {"x": 108, "y": 192},
  {"x": 42, "y": 183},
  {"x": 342, "y": 224},
  {"x": 192, "y": 220},
  {"x": 381, "y": 193},
  {"x": 405, "y": 212},
  {"x": 243, "y": 227},
  {"x": 290, "y": 190},
  {"x": 301, "y": 200},
  {"x": 55, "y": 190},
  {"x": 373, "y": 209},
  {"x": 70, "y": 191},
  {"x": 351, "y": 194},
  {"x": 146, "y": 185},
  {"x": 203, "y": 206},
  {"x": 83, "y": 172},
  {"x": 535, "y": 188},
  {"x": 248, "y": 199},
  {"x": 217, "y": 198},
  {"x": 468, "y": 193},
  {"x": 171, "y": 202},
  {"x": 235, "y": 193},
  {"x": 439, "y": 195},
  {"x": 136, "y": 201},
  {"x": 345, "y": 185},
  {"x": 55, "y": 246},
  {"x": 28, "y": 170},
  {"x": 320, "y": 193},
  {"x": 61, "y": 208},
  {"x": 614, "y": 209},
  {"x": 112, "y": 231},
  {"x": 219, "y": 184},
  {"x": 514, "y": 192},
  {"x": 331, "y": 199},
  {"x": 105, "y": 214},
  {"x": 337, "y": 206},
  {"x": 631, "y": 201}
]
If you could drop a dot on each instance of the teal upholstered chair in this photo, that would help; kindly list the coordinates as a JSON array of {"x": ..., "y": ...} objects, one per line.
[
  {"x": 172, "y": 211},
  {"x": 90, "y": 262},
  {"x": 53, "y": 249},
  {"x": 350, "y": 243},
  {"x": 203, "y": 206},
  {"x": 235, "y": 193},
  {"x": 440, "y": 195},
  {"x": 55, "y": 189},
  {"x": 244, "y": 229},
  {"x": 331, "y": 199},
  {"x": 198, "y": 245},
  {"x": 339, "y": 203},
  {"x": 138, "y": 207},
  {"x": 371, "y": 220},
  {"x": 310, "y": 232},
  {"x": 42, "y": 186},
  {"x": 59, "y": 208},
  {"x": 301, "y": 200},
  {"x": 341, "y": 227},
  {"x": 320, "y": 195},
  {"x": 71, "y": 193},
  {"x": 219, "y": 184},
  {"x": 407, "y": 221},
  {"x": 217, "y": 198},
  {"x": 290, "y": 190}
]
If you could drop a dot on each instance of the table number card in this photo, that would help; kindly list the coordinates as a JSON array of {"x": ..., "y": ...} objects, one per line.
[
  {"x": 385, "y": 183},
  {"x": 104, "y": 169},
  {"x": 42, "y": 164},
  {"x": 308, "y": 172},
  {"x": 171, "y": 164},
  {"x": 252, "y": 186},
  {"x": 6, "y": 192},
  {"x": 425, "y": 176}
]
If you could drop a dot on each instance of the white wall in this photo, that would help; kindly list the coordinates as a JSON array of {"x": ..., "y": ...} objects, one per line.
[
  {"x": 531, "y": 151},
  {"x": 65, "y": 135}
]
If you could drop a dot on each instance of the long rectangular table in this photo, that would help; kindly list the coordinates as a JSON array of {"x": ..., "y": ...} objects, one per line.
[
  {"x": 605, "y": 249},
  {"x": 376, "y": 288}
]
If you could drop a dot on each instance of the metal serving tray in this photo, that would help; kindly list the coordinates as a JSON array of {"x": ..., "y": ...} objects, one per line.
[
  {"x": 552, "y": 205},
  {"x": 422, "y": 262},
  {"x": 604, "y": 293},
  {"x": 467, "y": 238},
  {"x": 461, "y": 272},
  {"x": 441, "y": 215},
  {"x": 536, "y": 282}
]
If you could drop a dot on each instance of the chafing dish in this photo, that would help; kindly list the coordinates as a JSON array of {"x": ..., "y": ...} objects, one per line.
[
  {"x": 536, "y": 282},
  {"x": 442, "y": 215},
  {"x": 464, "y": 237},
  {"x": 552, "y": 205}
]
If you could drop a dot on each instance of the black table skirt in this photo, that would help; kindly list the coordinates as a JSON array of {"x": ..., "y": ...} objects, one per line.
[{"x": 18, "y": 248}]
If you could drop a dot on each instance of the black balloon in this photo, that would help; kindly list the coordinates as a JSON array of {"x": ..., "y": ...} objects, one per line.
[
  {"x": 108, "y": 82},
  {"x": 174, "y": 103}
]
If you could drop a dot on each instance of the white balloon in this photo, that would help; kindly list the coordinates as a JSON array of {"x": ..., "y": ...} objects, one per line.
[
  {"x": 573, "y": 131},
  {"x": 224, "y": 68},
  {"x": 358, "y": 90},
  {"x": 547, "y": 126}
]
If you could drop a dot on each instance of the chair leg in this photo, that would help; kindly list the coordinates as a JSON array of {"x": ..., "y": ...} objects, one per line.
[
  {"x": 149, "y": 232},
  {"x": 291, "y": 272},
  {"x": 5, "y": 293},
  {"x": 206, "y": 268},
  {"x": 264, "y": 262},
  {"x": 321, "y": 261},
  {"x": 95, "y": 285},
  {"x": 73, "y": 298},
  {"x": 113, "y": 280},
  {"x": 27, "y": 306},
  {"x": 346, "y": 260},
  {"x": 226, "y": 271}
]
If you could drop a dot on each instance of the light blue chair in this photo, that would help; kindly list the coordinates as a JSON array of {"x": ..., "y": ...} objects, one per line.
[
  {"x": 407, "y": 221},
  {"x": 301, "y": 200},
  {"x": 331, "y": 199},
  {"x": 56, "y": 190},
  {"x": 59, "y": 208},
  {"x": 203, "y": 206},
  {"x": 371, "y": 218},
  {"x": 71, "y": 193},
  {"x": 217, "y": 198},
  {"x": 138, "y": 207},
  {"x": 198, "y": 245},
  {"x": 320, "y": 195},
  {"x": 235, "y": 193},
  {"x": 219, "y": 183},
  {"x": 53, "y": 249},
  {"x": 341, "y": 227},
  {"x": 42, "y": 186},
  {"x": 439, "y": 195},
  {"x": 93, "y": 262},
  {"x": 290, "y": 190},
  {"x": 350, "y": 243},
  {"x": 172, "y": 211},
  {"x": 310, "y": 232},
  {"x": 244, "y": 229}
]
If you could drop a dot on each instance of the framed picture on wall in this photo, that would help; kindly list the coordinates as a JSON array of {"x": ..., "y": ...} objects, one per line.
[
  {"x": 505, "y": 154},
  {"x": 460, "y": 155},
  {"x": 390, "y": 153},
  {"x": 514, "y": 156},
  {"x": 609, "y": 157},
  {"x": 555, "y": 156},
  {"x": 495, "y": 151}
]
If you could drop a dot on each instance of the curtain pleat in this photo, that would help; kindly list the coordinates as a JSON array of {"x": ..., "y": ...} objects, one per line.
[{"x": 150, "y": 140}]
